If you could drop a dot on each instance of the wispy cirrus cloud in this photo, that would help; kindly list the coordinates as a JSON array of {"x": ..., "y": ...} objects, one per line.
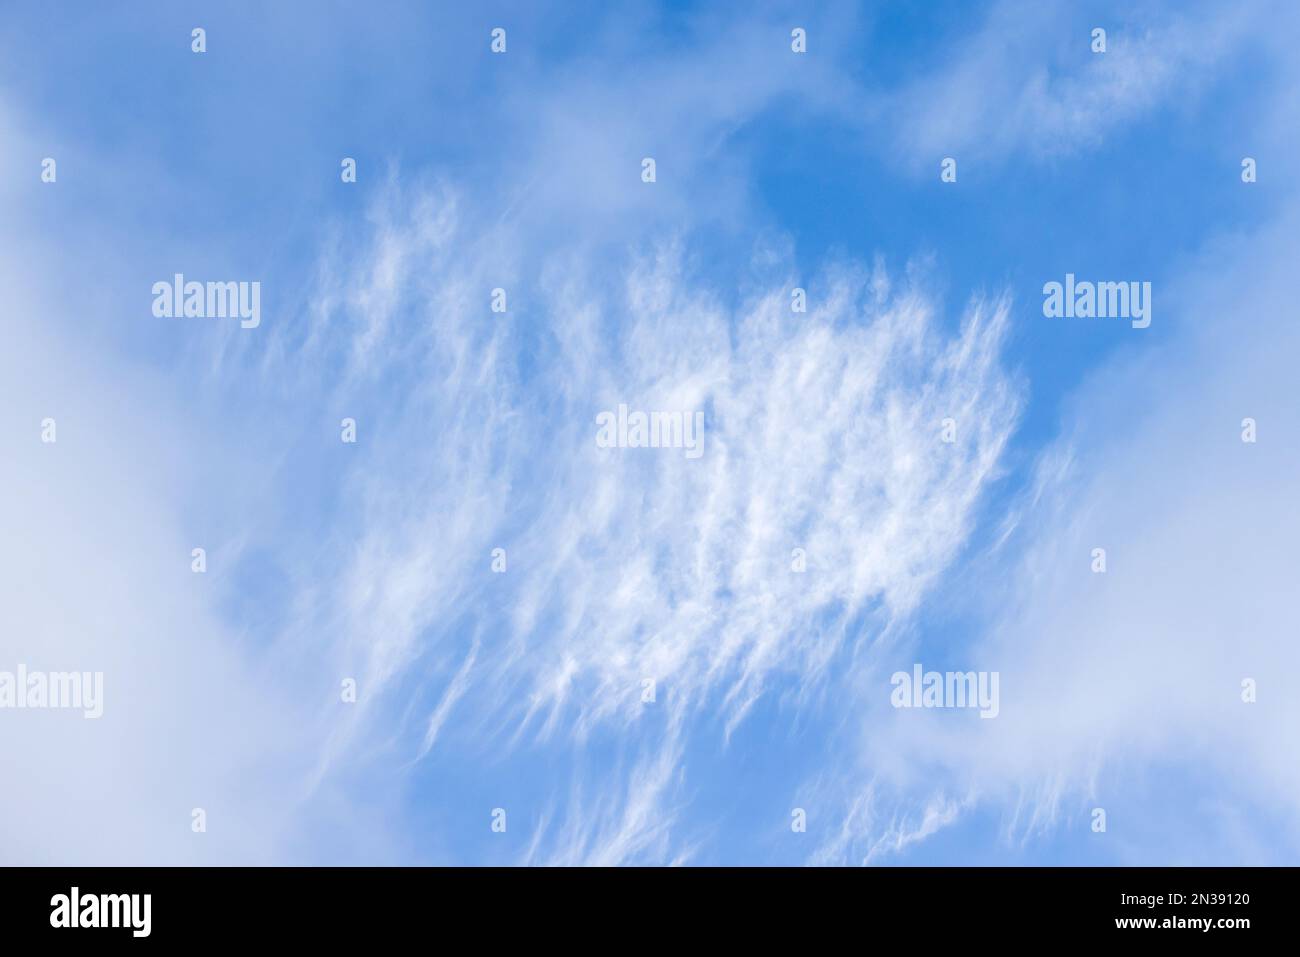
[
  {"x": 824, "y": 433},
  {"x": 1123, "y": 690},
  {"x": 624, "y": 571},
  {"x": 1026, "y": 81}
]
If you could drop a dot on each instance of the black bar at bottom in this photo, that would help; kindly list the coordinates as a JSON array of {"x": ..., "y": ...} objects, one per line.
[{"x": 335, "y": 906}]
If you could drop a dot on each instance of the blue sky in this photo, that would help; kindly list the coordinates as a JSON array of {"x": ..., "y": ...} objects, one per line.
[{"x": 521, "y": 690}]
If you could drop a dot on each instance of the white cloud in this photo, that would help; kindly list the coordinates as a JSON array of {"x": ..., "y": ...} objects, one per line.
[
  {"x": 1027, "y": 83},
  {"x": 477, "y": 431},
  {"x": 95, "y": 576},
  {"x": 823, "y": 432},
  {"x": 1116, "y": 688}
]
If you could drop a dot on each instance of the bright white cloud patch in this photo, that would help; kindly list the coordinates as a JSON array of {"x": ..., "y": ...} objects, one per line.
[{"x": 824, "y": 432}]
